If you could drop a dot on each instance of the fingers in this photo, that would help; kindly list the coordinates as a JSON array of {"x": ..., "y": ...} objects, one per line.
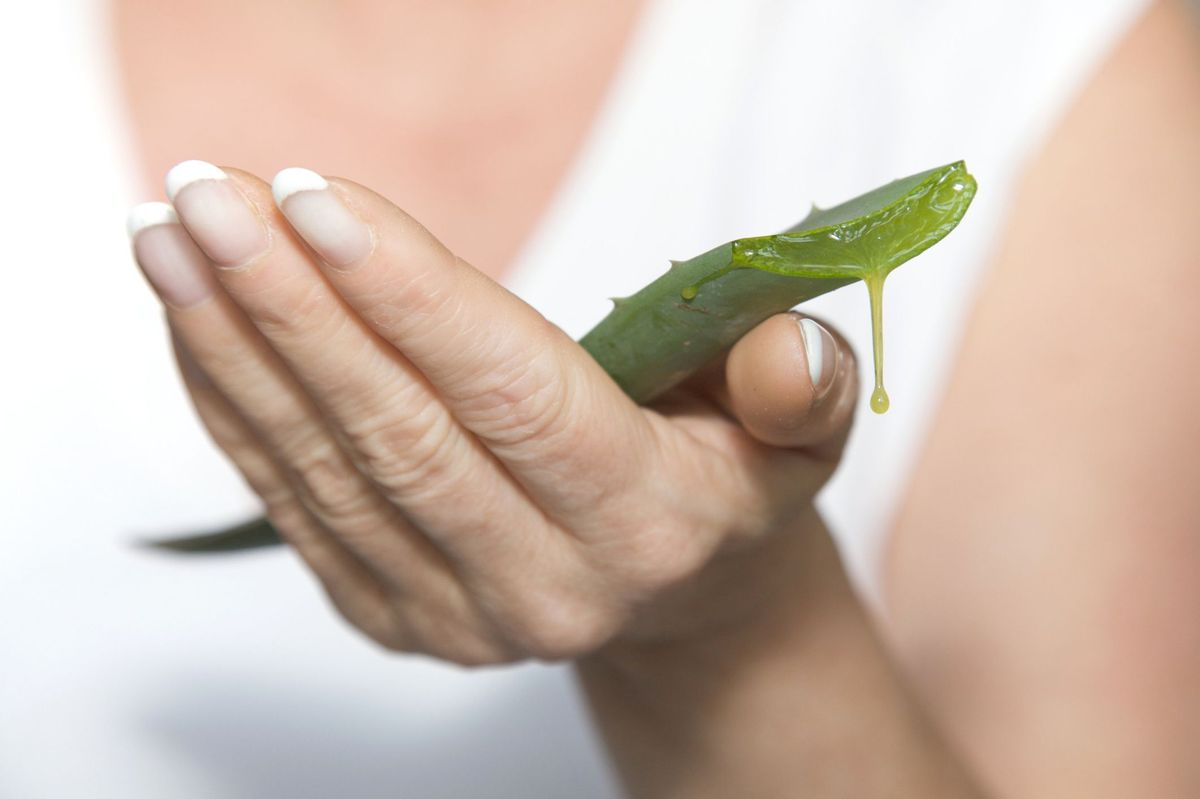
[
  {"x": 532, "y": 395},
  {"x": 351, "y": 586},
  {"x": 252, "y": 380},
  {"x": 793, "y": 383},
  {"x": 398, "y": 618},
  {"x": 464, "y": 506},
  {"x": 393, "y": 422}
]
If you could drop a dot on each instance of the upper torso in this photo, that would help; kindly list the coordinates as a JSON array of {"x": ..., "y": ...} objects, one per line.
[{"x": 467, "y": 115}]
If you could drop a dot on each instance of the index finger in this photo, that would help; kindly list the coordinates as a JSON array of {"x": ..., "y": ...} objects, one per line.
[{"x": 533, "y": 395}]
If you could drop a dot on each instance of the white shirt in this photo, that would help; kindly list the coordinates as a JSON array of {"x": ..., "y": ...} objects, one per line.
[{"x": 125, "y": 674}]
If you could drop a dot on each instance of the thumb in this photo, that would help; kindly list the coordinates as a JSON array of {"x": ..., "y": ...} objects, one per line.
[{"x": 792, "y": 382}]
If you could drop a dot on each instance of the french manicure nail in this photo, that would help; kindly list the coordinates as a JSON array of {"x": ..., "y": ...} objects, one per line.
[
  {"x": 321, "y": 218},
  {"x": 821, "y": 352},
  {"x": 168, "y": 257},
  {"x": 216, "y": 213}
]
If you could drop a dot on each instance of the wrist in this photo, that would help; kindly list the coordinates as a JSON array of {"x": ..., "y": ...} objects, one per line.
[
  {"x": 742, "y": 596},
  {"x": 739, "y": 611},
  {"x": 780, "y": 701}
]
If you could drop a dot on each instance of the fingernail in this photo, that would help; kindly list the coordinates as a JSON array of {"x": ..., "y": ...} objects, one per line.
[
  {"x": 168, "y": 257},
  {"x": 216, "y": 213},
  {"x": 821, "y": 352},
  {"x": 321, "y": 218}
]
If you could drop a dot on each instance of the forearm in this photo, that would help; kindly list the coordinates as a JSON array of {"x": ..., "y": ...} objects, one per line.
[{"x": 800, "y": 702}]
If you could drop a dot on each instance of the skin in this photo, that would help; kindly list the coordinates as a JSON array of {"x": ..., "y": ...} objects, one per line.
[
  {"x": 1067, "y": 622},
  {"x": 360, "y": 88},
  {"x": 721, "y": 646}
]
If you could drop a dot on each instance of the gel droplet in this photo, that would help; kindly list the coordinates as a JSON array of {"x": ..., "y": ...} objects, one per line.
[
  {"x": 874, "y": 279},
  {"x": 689, "y": 292},
  {"x": 879, "y": 400}
]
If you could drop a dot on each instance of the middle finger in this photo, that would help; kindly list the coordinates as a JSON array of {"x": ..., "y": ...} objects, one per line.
[{"x": 403, "y": 436}]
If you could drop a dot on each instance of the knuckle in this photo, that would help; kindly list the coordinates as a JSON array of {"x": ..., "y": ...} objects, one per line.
[
  {"x": 385, "y": 626},
  {"x": 328, "y": 481},
  {"x": 450, "y": 638},
  {"x": 254, "y": 466},
  {"x": 659, "y": 555},
  {"x": 667, "y": 567},
  {"x": 284, "y": 423},
  {"x": 553, "y": 627},
  {"x": 418, "y": 455},
  {"x": 520, "y": 393},
  {"x": 283, "y": 508},
  {"x": 475, "y": 653},
  {"x": 541, "y": 416},
  {"x": 525, "y": 409},
  {"x": 413, "y": 304},
  {"x": 244, "y": 454},
  {"x": 374, "y": 614},
  {"x": 306, "y": 308}
]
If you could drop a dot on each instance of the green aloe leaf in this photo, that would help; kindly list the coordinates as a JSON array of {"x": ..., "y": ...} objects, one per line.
[{"x": 656, "y": 338}]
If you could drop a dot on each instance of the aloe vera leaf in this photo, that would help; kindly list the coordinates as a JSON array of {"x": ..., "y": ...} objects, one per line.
[
  {"x": 253, "y": 534},
  {"x": 653, "y": 340},
  {"x": 671, "y": 328}
]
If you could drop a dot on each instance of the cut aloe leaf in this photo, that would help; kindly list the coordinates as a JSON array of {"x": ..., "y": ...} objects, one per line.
[{"x": 656, "y": 338}]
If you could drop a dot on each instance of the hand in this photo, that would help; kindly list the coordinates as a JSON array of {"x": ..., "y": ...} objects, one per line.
[{"x": 461, "y": 476}]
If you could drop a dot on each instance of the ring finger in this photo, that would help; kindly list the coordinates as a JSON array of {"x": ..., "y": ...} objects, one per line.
[
  {"x": 244, "y": 370},
  {"x": 351, "y": 586},
  {"x": 395, "y": 424}
]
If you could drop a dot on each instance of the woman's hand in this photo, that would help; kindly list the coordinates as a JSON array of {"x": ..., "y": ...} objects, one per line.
[
  {"x": 462, "y": 477},
  {"x": 467, "y": 482}
]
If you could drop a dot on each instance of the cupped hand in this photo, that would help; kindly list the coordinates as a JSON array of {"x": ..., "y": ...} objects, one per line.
[{"x": 461, "y": 476}]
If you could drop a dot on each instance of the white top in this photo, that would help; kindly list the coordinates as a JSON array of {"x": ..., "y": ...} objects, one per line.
[{"x": 139, "y": 676}]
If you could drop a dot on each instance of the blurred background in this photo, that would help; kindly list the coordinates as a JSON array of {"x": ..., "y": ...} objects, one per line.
[{"x": 124, "y": 673}]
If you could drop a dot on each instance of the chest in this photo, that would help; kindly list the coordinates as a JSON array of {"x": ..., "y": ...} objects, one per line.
[{"x": 466, "y": 115}]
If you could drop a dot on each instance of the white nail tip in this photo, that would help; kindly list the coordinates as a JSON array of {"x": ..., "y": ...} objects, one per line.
[
  {"x": 814, "y": 349},
  {"x": 295, "y": 179},
  {"x": 148, "y": 215},
  {"x": 186, "y": 173}
]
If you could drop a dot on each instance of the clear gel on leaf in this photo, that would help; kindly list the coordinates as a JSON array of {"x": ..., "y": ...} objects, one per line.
[{"x": 874, "y": 278}]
